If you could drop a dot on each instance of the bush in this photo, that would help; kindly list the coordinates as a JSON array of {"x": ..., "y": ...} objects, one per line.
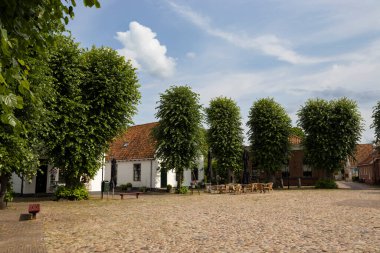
[
  {"x": 326, "y": 184},
  {"x": 9, "y": 193},
  {"x": 124, "y": 187},
  {"x": 142, "y": 189},
  {"x": 183, "y": 190},
  {"x": 76, "y": 193},
  {"x": 169, "y": 187},
  {"x": 129, "y": 185}
]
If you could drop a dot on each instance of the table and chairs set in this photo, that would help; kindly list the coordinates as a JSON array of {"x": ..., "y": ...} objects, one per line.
[{"x": 239, "y": 188}]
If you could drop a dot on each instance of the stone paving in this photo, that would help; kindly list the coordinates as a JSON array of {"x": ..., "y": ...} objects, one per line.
[
  {"x": 282, "y": 221},
  {"x": 20, "y": 235}
]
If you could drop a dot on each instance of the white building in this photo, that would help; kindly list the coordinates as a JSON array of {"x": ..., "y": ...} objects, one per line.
[{"x": 134, "y": 153}]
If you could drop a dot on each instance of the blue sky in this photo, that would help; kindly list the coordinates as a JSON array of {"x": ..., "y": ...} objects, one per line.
[{"x": 244, "y": 49}]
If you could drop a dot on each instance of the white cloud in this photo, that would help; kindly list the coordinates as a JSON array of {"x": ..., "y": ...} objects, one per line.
[
  {"x": 145, "y": 51},
  {"x": 191, "y": 55},
  {"x": 267, "y": 44}
]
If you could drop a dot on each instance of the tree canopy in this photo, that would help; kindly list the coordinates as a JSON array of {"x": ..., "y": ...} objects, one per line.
[
  {"x": 376, "y": 123},
  {"x": 96, "y": 93},
  {"x": 179, "y": 133},
  {"x": 225, "y": 135},
  {"x": 27, "y": 30},
  {"x": 332, "y": 131},
  {"x": 26, "y": 26},
  {"x": 269, "y": 129}
]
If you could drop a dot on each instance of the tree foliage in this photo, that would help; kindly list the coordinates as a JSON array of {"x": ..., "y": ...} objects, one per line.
[
  {"x": 26, "y": 26},
  {"x": 27, "y": 29},
  {"x": 269, "y": 129},
  {"x": 179, "y": 133},
  {"x": 20, "y": 146},
  {"x": 376, "y": 123},
  {"x": 96, "y": 93},
  {"x": 225, "y": 135},
  {"x": 332, "y": 131}
]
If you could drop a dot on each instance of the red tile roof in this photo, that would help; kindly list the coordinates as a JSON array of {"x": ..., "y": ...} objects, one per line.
[
  {"x": 134, "y": 144},
  {"x": 362, "y": 154},
  {"x": 294, "y": 140}
]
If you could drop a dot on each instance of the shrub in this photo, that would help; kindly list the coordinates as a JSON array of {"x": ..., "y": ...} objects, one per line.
[
  {"x": 183, "y": 190},
  {"x": 9, "y": 193},
  {"x": 326, "y": 184},
  {"x": 124, "y": 187},
  {"x": 76, "y": 193},
  {"x": 169, "y": 187},
  {"x": 142, "y": 189},
  {"x": 129, "y": 185}
]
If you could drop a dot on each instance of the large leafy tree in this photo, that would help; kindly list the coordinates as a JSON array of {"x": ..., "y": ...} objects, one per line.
[
  {"x": 179, "y": 133},
  {"x": 332, "y": 131},
  {"x": 376, "y": 123},
  {"x": 20, "y": 146},
  {"x": 269, "y": 129},
  {"x": 225, "y": 135},
  {"x": 25, "y": 26},
  {"x": 26, "y": 32},
  {"x": 96, "y": 97}
]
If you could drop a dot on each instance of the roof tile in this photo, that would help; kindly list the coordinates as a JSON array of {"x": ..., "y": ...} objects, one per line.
[{"x": 135, "y": 143}]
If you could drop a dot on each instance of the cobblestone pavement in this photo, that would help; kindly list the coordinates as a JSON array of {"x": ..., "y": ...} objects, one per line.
[
  {"x": 282, "y": 221},
  {"x": 18, "y": 234}
]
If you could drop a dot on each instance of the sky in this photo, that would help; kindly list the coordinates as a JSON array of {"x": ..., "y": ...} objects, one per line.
[{"x": 290, "y": 51}]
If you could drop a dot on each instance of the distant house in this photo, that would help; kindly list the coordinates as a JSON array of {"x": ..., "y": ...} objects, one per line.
[
  {"x": 295, "y": 170},
  {"x": 351, "y": 170},
  {"x": 134, "y": 153},
  {"x": 369, "y": 167}
]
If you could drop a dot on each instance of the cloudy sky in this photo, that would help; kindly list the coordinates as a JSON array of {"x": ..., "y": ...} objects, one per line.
[{"x": 289, "y": 50}]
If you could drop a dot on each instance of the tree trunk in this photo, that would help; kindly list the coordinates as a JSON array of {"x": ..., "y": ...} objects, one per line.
[
  {"x": 179, "y": 184},
  {"x": 72, "y": 181},
  {"x": 4, "y": 179}
]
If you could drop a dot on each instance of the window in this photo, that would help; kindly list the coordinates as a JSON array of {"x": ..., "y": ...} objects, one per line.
[
  {"x": 137, "y": 172},
  {"x": 307, "y": 171},
  {"x": 194, "y": 174},
  {"x": 285, "y": 172}
]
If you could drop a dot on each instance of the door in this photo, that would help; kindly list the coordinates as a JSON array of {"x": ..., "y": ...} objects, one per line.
[
  {"x": 164, "y": 178},
  {"x": 41, "y": 179}
]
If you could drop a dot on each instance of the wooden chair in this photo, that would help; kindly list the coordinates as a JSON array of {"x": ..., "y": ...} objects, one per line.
[
  {"x": 237, "y": 188},
  {"x": 268, "y": 187},
  {"x": 260, "y": 187},
  {"x": 223, "y": 189}
]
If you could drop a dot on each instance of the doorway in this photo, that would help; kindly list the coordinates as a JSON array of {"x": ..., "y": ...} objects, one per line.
[
  {"x": 164, "y": 178},
  {"x": 41, "y": 179}
]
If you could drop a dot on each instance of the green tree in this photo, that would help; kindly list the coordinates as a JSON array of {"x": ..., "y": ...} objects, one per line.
[
  {"x": 96, "y": 93},
  {"x": 332, "y": 131},
  {"x": 269, "y": 130},
  {"x": 297, "y": 131},
  {"x": 26, "y": 32},
  {"x": 179, "y": 133},
  {"x": 376, "y": 123},
  {"x": 25, "y": 26},
  {"x": 20, "y": 146},
  {"x": 225, "y": 135}
]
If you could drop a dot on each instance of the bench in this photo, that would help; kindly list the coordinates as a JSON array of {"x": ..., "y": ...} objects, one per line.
[
  {"x": 130, "y": 193},
  {"x": 34, "y": 209}
]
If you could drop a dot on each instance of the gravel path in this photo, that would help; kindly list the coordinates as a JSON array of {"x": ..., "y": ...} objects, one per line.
[{"x": 282, "y": 221}]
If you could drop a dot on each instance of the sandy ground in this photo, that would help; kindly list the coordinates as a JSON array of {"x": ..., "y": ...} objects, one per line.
[{"x": 282, "y": 221}]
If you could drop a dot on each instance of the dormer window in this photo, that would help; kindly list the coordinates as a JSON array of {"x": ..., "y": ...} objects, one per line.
[{"x": 125, "y": 144}]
